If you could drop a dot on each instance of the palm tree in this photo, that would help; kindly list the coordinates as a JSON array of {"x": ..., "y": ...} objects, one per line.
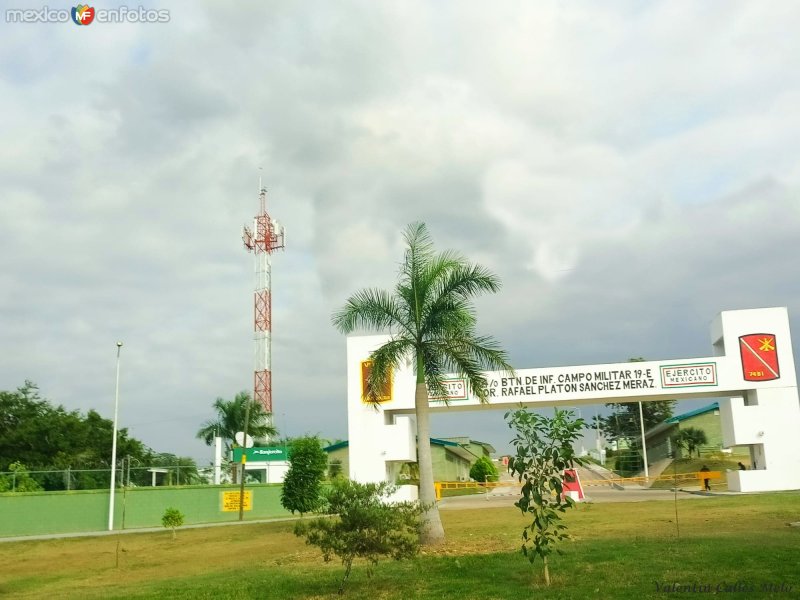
[
  {"x": 691, "y": 439},
  {"x": 230, "y": 419},
  {"x": 431, "y": 320},
  {"x": 182, "y": 468}
]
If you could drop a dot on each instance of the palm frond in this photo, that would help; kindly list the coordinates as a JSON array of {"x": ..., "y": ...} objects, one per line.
[
  {"x": 434, "y": 374},
  {"x": 419, "y": 245},
  {"x": 438, "y": 268},
  {"x": 488, "y": 353},
  {"x": 385, "y": 361},
  {"x": 208, "y": 431},
  {"x": 231, "y": 416},
  {"x": 470, "y": 356},
  {"x": 447, "y": 317},
  {"x": 460, "y": 283},
  {"x": 369, "y": 309},
  {"x": 418, "y": 255}
]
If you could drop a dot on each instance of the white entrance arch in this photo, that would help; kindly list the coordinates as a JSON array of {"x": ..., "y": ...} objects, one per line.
[{"x": 752, "y": 364}]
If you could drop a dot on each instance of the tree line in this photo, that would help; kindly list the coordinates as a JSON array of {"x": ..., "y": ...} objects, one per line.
[{"x": 73, "y": 448}]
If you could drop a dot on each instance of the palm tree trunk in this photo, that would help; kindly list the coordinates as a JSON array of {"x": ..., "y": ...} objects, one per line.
[{"x": 432, "y": 530}]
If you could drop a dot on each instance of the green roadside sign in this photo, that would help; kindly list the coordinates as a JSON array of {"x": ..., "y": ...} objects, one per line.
[{"x": 262, "y": 454}]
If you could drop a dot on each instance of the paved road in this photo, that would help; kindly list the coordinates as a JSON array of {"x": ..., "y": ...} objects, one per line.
[
  {"x": 54, "y": 536},
  {"x": 503, "y": 496}
]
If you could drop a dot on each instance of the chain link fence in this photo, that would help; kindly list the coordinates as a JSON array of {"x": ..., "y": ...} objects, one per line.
[{"x": 24, "y": 480}]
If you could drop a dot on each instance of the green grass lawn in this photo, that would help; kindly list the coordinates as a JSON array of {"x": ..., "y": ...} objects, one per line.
[{"x": 618, "y": 551}]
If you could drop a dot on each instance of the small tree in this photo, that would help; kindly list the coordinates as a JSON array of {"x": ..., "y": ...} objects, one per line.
[
  {"x": 302, "y": 486},
  {"x": 173, "y": 518},
  {"x": 483, "y": 470},
  {"x": 691, "y": 439},
  {"x": 543, "y": 451},
  {"x": 365, "y": 526}
]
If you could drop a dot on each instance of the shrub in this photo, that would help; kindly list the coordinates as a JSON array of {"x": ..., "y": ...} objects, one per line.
[
  {"x": 173, "y": 518},
  {"x": 302, "y": 486},
  {"x": 483, "y": 470},
  {"x": 363, "y": 525}
]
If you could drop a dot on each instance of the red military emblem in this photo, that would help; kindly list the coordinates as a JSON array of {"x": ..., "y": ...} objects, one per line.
[{"x": 759, "y": 357}]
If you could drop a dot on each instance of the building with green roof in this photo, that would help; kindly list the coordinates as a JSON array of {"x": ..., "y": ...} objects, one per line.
[
  {"x": 660, "y": 439},
  {"x": 451, "y": 458}
]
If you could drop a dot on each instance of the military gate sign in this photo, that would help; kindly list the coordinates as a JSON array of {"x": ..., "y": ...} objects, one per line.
[{"x": 751, "y": 366}]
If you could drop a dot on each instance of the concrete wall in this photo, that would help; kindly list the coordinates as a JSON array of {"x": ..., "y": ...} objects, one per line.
[
  {"x": 87, "y": 510},
  {"x": 767, "y": 421}
]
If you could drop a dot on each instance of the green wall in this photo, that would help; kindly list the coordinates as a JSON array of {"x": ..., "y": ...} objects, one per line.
[
  {"x": 708, "y": 422},
  {"x": 342, "y": 454},
  {"x": 87, "y": 510},
  {"x": 454, "y": 469}
]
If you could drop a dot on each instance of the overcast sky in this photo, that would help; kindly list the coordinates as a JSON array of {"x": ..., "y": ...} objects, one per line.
[{"x": 629, "y": 169}]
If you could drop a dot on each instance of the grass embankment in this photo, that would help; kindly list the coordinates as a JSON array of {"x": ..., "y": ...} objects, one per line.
[
  {"x": 626, "y": 550},
  {"x": 693, "y": 465},
  {"x": 465, "y": 491}
]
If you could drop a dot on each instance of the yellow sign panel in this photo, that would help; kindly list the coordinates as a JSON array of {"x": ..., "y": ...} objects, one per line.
[
  {"x": 386, "y": 392},
  {"x": 230, "y": 501}
]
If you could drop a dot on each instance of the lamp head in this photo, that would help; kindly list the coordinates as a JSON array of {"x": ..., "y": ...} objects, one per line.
[{"x": 119, "y": 344}]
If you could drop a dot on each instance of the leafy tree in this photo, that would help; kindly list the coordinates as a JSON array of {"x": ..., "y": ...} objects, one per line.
[
  {"x": 627, "y": 462},
  {"x": 47, "y": 437},
  {"x": 18, "y": 480},
  {"x": 230, "y": 420},
  {"x": 544, "y": 449},
  {"x": 691, "y": 439},
  {"x": 483, "y": 469},
  {"x": 302, "y": 485},
  {"x": 623, "y": 424},
  {"x": 172, "y": 518},
  {"x": 431, "y": 320},
  {"x": 365, "y": 526},
  {"x": 75, "y": 448}
]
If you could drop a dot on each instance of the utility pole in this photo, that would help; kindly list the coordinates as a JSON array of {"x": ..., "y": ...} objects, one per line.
[
  {"x": 644, "y": 446},
  {"x": 599, "y": 441},
  {"x": 114, "y": 449}
]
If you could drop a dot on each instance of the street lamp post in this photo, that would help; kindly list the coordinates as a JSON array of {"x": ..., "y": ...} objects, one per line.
[
  {"x": 644, "y": 445},
  {"x": 598, "y": 441},
  {"x": 114, "y": 448}
]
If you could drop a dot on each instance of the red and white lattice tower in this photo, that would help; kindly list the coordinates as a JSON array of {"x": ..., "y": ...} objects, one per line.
[{"x": 266, "y": 236}]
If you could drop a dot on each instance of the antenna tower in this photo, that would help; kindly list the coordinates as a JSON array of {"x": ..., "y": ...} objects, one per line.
[{"x": 266, "y": 236}]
